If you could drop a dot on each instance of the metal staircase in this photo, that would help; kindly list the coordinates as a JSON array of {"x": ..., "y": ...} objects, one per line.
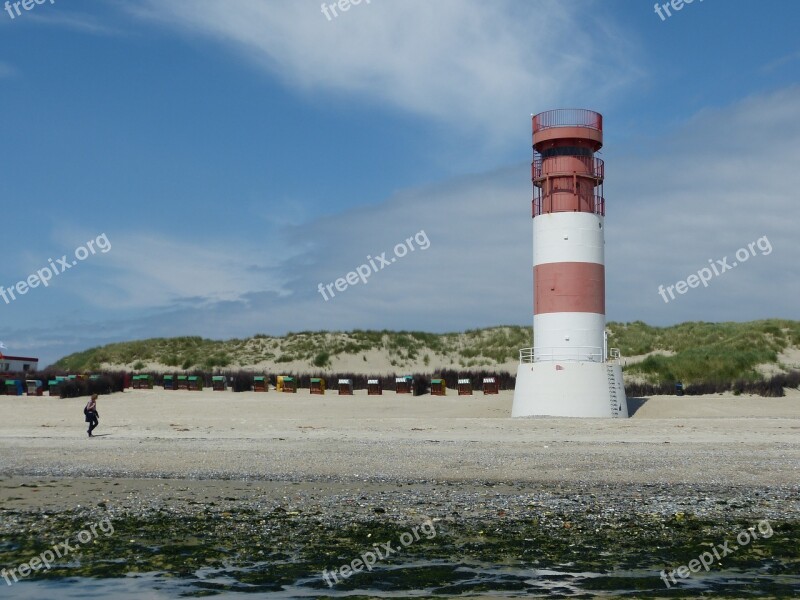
[{"x": 614, "y": 392}]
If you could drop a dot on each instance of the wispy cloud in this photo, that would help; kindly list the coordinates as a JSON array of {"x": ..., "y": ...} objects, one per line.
[
  {"x": 472, "y": 64},
  {"x": 145, "y": 271},
  {"x": 81, "y": 22},
  {"x": 781, "y": 62}
]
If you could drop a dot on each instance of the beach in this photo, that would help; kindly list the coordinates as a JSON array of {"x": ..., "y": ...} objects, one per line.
[
  {"x": 245, "y": 467},
  {"x": 156, "y": 433}
]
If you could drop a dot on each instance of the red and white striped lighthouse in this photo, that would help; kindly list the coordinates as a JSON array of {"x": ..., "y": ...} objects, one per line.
[{"x": 568, "y": 371}]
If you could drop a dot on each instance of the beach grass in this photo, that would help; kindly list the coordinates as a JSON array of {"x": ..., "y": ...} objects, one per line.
[{"x": 692, "y": 352}]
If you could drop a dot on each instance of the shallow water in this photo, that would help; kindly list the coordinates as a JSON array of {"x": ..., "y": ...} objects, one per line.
[
  {"x": 419, "y": 579},
  {"x": 564, "y": 546}
]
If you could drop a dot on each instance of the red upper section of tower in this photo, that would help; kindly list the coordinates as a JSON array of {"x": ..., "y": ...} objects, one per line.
[
  {"x": 565, "y": 172},
  {"x": 568, "y": 117}
]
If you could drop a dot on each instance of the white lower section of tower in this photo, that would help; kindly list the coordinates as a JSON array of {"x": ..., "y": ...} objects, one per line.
[
  {"x": 570, "y": 389},
  {"x": 569, "y": 336},
  {"x": 568, "y": 237}
]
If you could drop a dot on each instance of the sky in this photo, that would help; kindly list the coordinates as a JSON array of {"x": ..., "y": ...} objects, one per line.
[{"x": 225, "y": 158}]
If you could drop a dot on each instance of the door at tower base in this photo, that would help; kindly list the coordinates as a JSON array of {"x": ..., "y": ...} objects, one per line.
[{"x": 570, "y": 389}]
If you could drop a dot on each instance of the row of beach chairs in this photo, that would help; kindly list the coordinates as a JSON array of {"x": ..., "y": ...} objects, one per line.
[
  {"x": 403, "y": 385},
  {"x": 318, "y": 385},
  {"x": 37, "y": 387}
]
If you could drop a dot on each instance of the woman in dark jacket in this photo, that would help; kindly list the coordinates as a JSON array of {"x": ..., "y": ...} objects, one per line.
[{"x": 92, "y": 416}]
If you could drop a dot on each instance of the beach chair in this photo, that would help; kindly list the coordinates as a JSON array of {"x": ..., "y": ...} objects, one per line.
[
  {"x": 143, "y": 382},
  {"x": 438, "y": 387},
  {"x": 183, "y": 382},
  {"x": 402, "y": 385},
  {"x": 490, "y": 386},
  {"x": 195, "y": 383},
  {"x": 35, "y": 387},
  {"x": 374, "y": 387},
  {"x": 289, "y": 385},
  {"x": 218, "y": 383},
  {"x": 260, "y": 384},
  {"x": 345, "y": 387},
  {"x": 169, "y": 383},
  {"x": 317, "y": 386},
  {"x": 464, "y": 387},
  {"x": 14, "y": 387}
]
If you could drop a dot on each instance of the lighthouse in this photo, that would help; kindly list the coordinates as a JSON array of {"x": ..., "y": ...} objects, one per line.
[{"x": 569, "y": 371}]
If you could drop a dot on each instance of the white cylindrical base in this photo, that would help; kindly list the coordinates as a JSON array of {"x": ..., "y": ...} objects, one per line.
[
  {"x": 569, "y": 336},
  {"x": 570, "y": 389},
  {"x": 568, "y": 237}
]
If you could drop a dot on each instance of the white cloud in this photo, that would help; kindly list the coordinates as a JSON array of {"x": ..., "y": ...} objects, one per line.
[
  {"x": 473, "y": 64},
  {"x": 148, "y": 271}
]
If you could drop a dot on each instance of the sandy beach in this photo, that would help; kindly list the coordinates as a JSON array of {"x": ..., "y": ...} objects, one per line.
[
  {"x": 263, "y": 491},
  {"x": 156, "y": 433}
]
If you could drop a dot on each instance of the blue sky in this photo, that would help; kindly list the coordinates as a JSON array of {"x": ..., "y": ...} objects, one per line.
[{"x": 236, "y": 154}]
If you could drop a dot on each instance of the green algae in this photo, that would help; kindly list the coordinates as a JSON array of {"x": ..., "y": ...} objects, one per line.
[{"x": 265, "y": 552}]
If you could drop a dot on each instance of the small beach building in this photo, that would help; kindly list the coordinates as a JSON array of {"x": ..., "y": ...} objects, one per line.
[{"x": 17, "y": 364}]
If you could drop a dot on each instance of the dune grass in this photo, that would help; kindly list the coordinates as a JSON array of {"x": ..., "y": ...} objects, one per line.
[
  {"x": 704, "y": 351},
  {"x": 693, "y": 352}
]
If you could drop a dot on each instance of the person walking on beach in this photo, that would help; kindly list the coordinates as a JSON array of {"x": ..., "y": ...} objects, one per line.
[{"x": 92, "y": 416}]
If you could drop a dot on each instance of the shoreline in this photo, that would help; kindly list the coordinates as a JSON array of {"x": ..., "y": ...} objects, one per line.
[{"x": 348, "y": 501}]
